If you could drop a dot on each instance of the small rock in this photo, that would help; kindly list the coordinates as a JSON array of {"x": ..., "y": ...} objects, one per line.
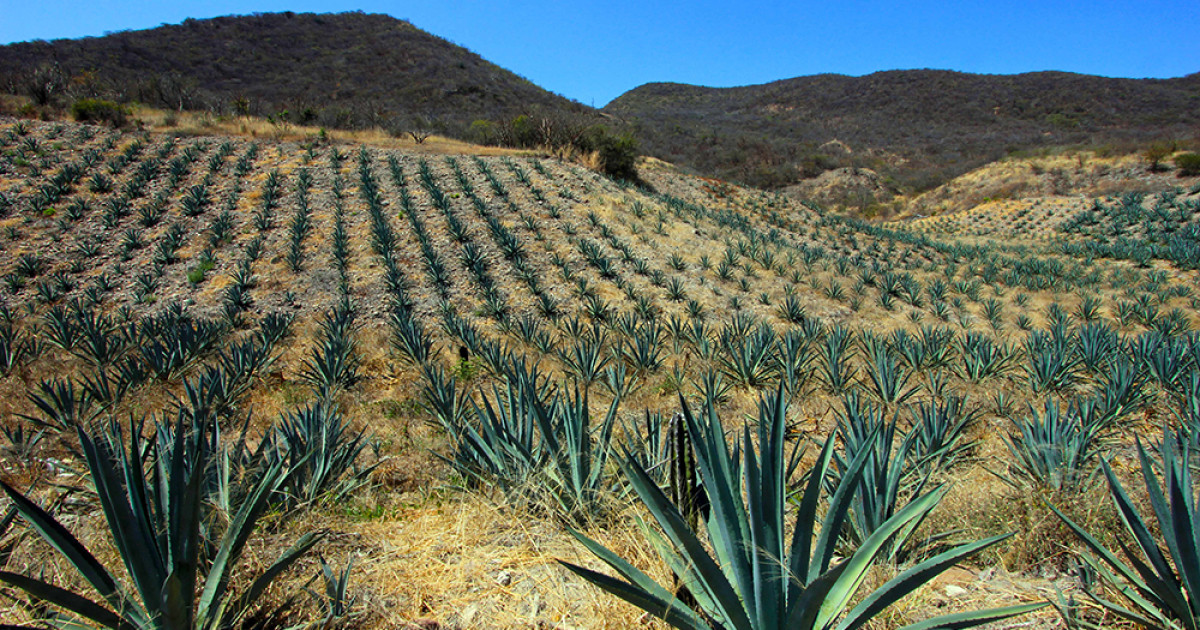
[
  {"x": 504, "y": 579},
  {"x": 955, "y": 591}
]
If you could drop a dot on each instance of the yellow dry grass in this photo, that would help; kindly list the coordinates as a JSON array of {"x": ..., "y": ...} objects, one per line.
[
  {"x": 203, "y": 123},
  {"x": 1056, "y": 177}
]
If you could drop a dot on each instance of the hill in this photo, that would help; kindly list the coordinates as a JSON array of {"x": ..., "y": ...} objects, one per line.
[
  {"x": 336, "y": 70},
  {"x": 919, "y": 127}
]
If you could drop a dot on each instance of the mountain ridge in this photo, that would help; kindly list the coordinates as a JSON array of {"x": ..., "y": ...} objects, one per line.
[{"x": 904, "y": 122}]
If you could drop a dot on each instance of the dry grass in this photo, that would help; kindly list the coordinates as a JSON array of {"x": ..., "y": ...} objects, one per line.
[
  {"x": 206, "y": 124},
  {"x": 1025, "y": 182}
]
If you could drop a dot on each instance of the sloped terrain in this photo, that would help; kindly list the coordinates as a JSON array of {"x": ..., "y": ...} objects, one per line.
[{"x": 424, "y": 300}]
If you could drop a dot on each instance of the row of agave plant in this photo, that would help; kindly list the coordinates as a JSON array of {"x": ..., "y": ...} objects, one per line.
[
  {"x": 116, "y": 207},
  {"x": 1129, "y": 230},
  {"x": 1126, "y": 372}
]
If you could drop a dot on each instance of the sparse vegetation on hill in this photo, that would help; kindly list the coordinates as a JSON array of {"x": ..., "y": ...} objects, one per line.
[
  {"x": 918, "y": 127},
  {"x": 333, "y": 70},
  {"x": 437, "y": 367}
]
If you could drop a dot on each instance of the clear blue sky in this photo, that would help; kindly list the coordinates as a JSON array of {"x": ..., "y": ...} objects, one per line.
[{"x": 592, "y": 52}]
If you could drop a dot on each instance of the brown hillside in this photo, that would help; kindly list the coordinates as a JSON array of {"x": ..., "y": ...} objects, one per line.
[
  {"x": 347, "y": 69},
  {"x": 919, "y": 126}
]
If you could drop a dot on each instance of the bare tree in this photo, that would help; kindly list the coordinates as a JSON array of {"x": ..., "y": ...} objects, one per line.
[
  {"x": 44, "y": 83},
  {"x": 420, "y": 129}
]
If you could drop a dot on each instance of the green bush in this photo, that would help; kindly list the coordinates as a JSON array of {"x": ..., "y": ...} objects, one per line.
[
  {"x": 100, "y": 111},
  {"x": 618, "y": 154},
  {"x": 482, "y": 132},
  {"x": 1188, "y": 164}
]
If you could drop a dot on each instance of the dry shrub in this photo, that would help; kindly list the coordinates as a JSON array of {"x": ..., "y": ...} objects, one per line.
[{"x": 1043, "y": 544}]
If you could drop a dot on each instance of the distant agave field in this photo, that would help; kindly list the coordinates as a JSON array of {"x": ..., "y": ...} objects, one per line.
[{"x": 194, "y": 331}]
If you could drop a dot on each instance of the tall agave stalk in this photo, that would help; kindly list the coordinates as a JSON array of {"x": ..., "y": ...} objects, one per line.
[
  {"x": 749, "y": 574},
  {"x": 179, "y": 577}
]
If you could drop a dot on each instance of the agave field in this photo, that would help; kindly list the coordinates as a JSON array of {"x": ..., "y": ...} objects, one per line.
[{"x": 252, "y": 383}]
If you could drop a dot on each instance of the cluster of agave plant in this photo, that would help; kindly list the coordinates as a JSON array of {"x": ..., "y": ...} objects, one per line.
[
  {"x": 743, "y": 569},
  {"x": 182, "y": 504},
  {"x": 1138, "y": 229}
]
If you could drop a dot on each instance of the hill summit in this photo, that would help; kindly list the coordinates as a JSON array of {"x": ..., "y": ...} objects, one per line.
[{"x": 347, "y": 69}]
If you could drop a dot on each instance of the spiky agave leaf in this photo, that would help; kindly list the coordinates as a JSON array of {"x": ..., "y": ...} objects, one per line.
[
  {"x": 1162, "y": 587},
  {"x": 154, "y": 515},
  {"x": 754, "y": 578}
]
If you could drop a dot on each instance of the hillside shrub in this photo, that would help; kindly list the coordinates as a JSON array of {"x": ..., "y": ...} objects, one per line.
[
  {"x": 99, "y": 111},
  {"x": 618, "y": 154},
  {"x": 482, "y": 132},
  {"x": 1188, "y": 164},
  {"x": 1156, "y": 153}
]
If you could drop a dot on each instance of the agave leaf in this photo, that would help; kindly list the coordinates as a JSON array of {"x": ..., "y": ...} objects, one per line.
[
  {"x": 285, "y": 560},
  {"x": 801, "y": 548},
  {"x": 1160, "y": 621},
  {"x": 685, "y": 571},
  {"x": 719, "y": 588},
  {"x": 641, "y": 590},
  {"x": 802, "y": 611},
  {"x": 1133, "y": 520},
  {"x": 973, "y": 618},
  {"x": 212, "y": 603},
  {"x": 62, "y": 540},
  {"x": 1158, "y": 581},
  {"x": 839, "y": 506},
  {"x": 1182, "y": 533},
  {"x": 672, "y": 613},
  {"x": 1111, "y": 559},
  {"x": 132, "y": 534},
  {"x": 864, "y": 557},
  {"x": 73, "y": 602},
  {"x": 910, "y": 580},
  {"x": 727, "y": 521}
]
